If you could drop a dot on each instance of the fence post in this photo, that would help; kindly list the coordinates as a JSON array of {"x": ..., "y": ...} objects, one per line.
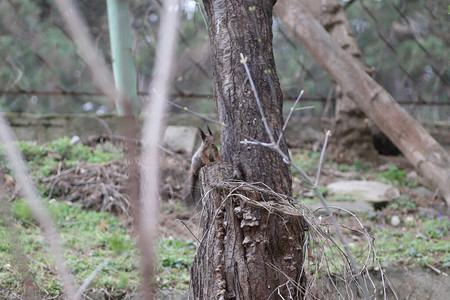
[{"x": 122, "y": 61}]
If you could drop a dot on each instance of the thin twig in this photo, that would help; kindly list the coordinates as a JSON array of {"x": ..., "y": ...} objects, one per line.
[
  {"x": 258, "y": 102},
  {"x": 305, "y": 107},
  {"x": 439, "y": 272},
  {"x": 187, "y": 227},
  {"x": 80, "y": 35},
  {"x": 38, "y": 209},
  {"x": 152, "y": 130},
  {"x": 289, "y": 116},
  {"x": 355, "y": 269},
  {"x": 89, "y": 279},
  {"x": 322, "y": 155}
]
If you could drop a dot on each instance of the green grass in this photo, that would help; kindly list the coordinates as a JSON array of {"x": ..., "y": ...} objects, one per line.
[
  {"x": 427, "y": 242},
  {"x": 428, "y": 245},
  {"x": 175, "y": 258},
  {"x": 397, "y": 177},
  {"x": 306, "y": 160},
  {"x": 43, "y": 160},
  {"x": 93, "y": 238},
  {"x": 90, "y": 238}
]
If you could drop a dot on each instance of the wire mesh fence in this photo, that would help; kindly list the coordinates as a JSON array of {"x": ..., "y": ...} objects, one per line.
[
  {"x": 406, "y": 42},
  {"x": 41, "y": 70}
]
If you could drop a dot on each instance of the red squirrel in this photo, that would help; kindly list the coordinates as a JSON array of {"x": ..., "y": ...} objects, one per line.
[{"x": 204, "y": 155}]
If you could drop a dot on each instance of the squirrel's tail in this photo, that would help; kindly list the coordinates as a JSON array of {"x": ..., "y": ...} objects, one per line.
[{"x": 189, "y": 191}]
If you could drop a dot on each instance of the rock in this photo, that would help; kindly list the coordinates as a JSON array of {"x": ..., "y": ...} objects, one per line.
[
  {"x": 180, "y": 138},
  {"x": 309, "y": 194},
  {"x": 412, "y": 175},
  {"x": 422, "y": 191},
  {"x": 409, "y": 220},
  {"x": 368, "y": 191},
  {"x": 75, "y": 139},
  {"x": 357, "y": 207},
  {"x": 395, "y": 221}
]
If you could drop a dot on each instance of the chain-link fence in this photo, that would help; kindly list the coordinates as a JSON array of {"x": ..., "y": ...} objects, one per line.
[{"x": 406, "y": 42}]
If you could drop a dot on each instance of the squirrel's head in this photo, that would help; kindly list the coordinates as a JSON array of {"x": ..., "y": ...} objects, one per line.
[{"x": 208, "y": 139}]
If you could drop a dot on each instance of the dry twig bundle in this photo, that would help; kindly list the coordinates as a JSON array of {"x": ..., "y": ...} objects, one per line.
[{"x": 101, "y": 187}]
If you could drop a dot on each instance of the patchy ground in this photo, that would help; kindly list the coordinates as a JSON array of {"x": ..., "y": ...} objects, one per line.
[{"x": 411, "y": 230}]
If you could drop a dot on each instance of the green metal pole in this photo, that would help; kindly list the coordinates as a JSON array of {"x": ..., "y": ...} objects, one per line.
[{"x": 122, "y": 61}]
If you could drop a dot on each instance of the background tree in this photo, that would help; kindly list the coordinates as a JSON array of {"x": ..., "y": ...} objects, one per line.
[
  {"x": 427, "y": 156},
  {"x": 248, "y": 252},
  {"x": 352, "y": 136},
  {"x": 34, "y": 42}
]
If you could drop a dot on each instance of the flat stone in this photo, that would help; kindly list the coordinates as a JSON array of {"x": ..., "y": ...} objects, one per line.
[
  {"x": 356, "y": 207},
  {"x": 180, "y": 138},
  {"x": 367, "y": 191}
]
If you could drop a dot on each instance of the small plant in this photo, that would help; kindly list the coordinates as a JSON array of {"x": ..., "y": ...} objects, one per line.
[
  {"x": 32, "y": 151},
  {"x": 398, "y": 177},
  {"x": 4, "y": 164},
  {"x": 22, "y": 212},
  {"x": 73, "y": 154},
  {"x": 61, "y": 146},
  {"x": 402, "y": 202},
  {"x": 175, "y": 257},
  {"x": 429, "y": 246},
  {"x": 176, "y": 253},
  {"x": 104, "y": 153},
  {"x": 394, "y": 174},
  {"x": 119, "y": 243},
  {"x": 81, "y": 232},
  {"x": 437, "y": 228},
  {"x": 362, "y": 166},
  {"x": 343, "y": 168},
  {"x": 307, "y": 161},
  {"x": 373, "y": 216}
]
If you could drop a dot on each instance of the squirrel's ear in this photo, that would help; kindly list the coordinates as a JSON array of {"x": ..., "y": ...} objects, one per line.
[
  {"x": 202, "y": 134},
  {"x": 209, "y": 130}
]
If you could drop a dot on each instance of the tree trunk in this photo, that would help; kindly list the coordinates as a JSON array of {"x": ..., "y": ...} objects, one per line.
[
  {"x": 352, "y": 136},
  {"x": 427, "y": 156},
  {"x": 249, "y": 249},
  {"x": 234, "y": 29}
]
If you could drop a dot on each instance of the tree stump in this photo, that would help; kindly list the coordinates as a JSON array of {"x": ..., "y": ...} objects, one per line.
[{"x": 248, "y": 231}]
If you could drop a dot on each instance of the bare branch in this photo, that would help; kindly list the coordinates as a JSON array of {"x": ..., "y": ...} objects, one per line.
[
  {"x": 258, "y": 102},
  {"x": 355, "y": 269},
  {"x": 38, "y": 209},
  {"x": 80, "y": 35},
  {"x": 154, "y": 124},
  {"x": 90, "y": 278},
  {"x": 322, "y": 155},
  {"x": 289, "y": 116}
]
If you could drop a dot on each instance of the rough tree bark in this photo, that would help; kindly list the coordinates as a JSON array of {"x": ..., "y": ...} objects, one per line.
[
  {"x": 427, "y": 156},
  {"x": 352, "y": 136},
  {"x": 247, "y": 251},
  {"x": 234, "y": 29}
]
